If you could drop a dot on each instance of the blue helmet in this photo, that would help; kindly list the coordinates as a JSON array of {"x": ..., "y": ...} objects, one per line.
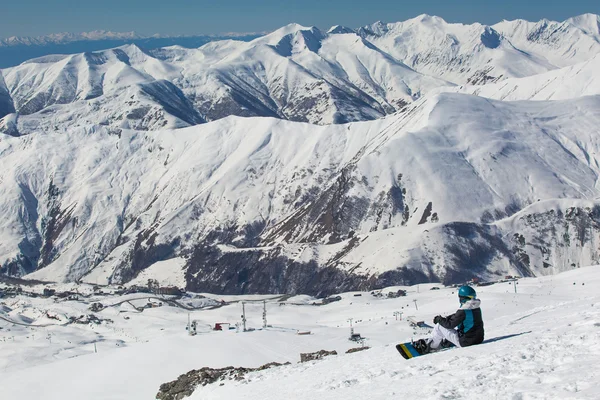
[{"x": 466, "y": 293}]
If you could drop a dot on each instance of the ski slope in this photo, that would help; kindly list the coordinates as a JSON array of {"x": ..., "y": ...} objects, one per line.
[{"x": 541, "y": 343}]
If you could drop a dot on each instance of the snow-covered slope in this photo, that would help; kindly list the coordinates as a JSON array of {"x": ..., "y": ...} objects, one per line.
[
  {"x": 393, "y": 200},
  {"x": 561, "y": 43},
  {"x": 541, "y": 342},
  {"x": 566, "y": 83},
  {"x": 474, "y": 54},
  {"x": 544, "y": 347}
]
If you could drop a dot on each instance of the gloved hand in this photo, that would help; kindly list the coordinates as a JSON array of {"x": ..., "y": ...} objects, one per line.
[{"x": 437, "y": 319}]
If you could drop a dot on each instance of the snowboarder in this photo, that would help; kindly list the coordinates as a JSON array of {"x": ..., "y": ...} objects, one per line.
[{"x": 461, "y": 329}]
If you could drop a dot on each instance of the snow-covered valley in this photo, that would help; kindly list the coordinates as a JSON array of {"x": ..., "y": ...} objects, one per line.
[{"x": 542, "y": 341}]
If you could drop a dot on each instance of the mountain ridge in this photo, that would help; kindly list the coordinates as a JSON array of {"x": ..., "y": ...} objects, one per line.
[
  {"x": 348, "y": 216},
  {"x": 306, "y": 161},
  {"x": 290, "y": 73},
  {"x": 587, "y": 20}
]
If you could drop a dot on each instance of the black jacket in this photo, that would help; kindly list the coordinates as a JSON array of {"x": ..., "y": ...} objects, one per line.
[{"x": 468, "y": 322}]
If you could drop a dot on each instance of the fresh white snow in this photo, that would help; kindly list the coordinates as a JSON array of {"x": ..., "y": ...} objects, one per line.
[{"x": 541, "y": 342}]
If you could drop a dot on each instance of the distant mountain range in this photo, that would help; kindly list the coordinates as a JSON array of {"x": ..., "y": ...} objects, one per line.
[
  {"x": 308, "y": 161},
  {"x": 66, "y": 37},
  {"x": 15, "y": 50},
  {"x": 296, "y": 73}
]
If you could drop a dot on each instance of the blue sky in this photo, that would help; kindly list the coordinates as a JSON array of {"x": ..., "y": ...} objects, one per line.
[{"x": 39, "y": 17}]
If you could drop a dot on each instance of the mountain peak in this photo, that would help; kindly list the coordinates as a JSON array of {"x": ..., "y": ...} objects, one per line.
[
  {"x": 278, "y": 34},
  {"x": 585, "y": 17},
  {"x": 428, "y": 17},
  {"x": 428, "y": 20},
  {"x": 291, "y": 28},
  {"x": 424, "y": 20},
  {"x": 339, "y": 29},
  {"x": 282, "y": 37},
  {"x": 377, "y": 29},
  {"x": 297, "y": 41},
  {"x": 589, "y": 23}
]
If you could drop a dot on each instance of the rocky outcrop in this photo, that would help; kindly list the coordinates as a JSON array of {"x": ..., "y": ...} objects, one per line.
[
  {"x": 319, "y": 355},
  {"x": 6, "y": 103},
  {"x": 357, "y": 349},
  {"x": 185, "y": 385}
]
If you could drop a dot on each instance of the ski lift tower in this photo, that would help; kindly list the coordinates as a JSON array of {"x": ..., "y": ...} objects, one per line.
[
  {"x": 351, "y": 327},
  {"x": 192, "y": 326},
  {"x": 264, "y": 313},
  {"x": 244, "y": 315}
]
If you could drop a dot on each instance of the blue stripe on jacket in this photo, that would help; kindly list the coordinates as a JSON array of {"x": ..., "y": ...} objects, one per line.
[{"x": 468, "y": 323}]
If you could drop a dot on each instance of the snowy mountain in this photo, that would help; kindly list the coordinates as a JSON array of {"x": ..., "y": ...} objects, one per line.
[
  {"x": 421, "y": 195},
  {"x": 474, "y": 54},
  {"x": 98, "y": 87},
  {"x": 294, "y": 73},
  {"x": 478, "y": 54},
  {"x": 306, "y": 161}
]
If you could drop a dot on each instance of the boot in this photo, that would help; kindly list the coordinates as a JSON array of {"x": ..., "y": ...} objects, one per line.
[{"x": 422, "y": 346}]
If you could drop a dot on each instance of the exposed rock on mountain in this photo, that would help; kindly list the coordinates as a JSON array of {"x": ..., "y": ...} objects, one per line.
[
  {"x": 263, "y": 205},
  {"x": 115, "y": 161}
]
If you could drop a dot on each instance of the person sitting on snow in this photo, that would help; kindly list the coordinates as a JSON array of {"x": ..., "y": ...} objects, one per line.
[{"x": 463, "y": 328}]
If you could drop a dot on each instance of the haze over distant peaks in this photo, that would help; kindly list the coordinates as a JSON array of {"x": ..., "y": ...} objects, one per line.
[
  {"x": 15, "y": 50},
  {"x": 67, "y": 37}
]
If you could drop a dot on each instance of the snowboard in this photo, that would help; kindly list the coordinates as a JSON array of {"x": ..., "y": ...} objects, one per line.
[{"x": 407, "y": 350}]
